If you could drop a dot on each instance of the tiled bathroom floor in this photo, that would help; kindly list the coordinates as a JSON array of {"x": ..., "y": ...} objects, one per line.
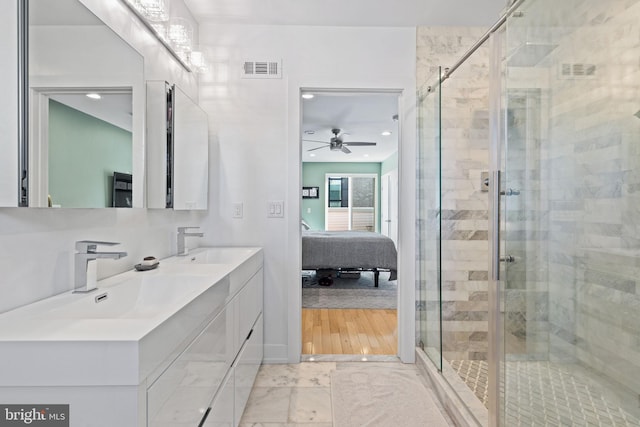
[
  {"x": 547, "y": 394},
  {"x": 299, "y": 395}
]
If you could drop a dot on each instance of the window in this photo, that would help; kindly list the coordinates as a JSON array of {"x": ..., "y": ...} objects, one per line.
[
  {"x": 338, "y": 192},
  {"x": 351, "y": 202}
]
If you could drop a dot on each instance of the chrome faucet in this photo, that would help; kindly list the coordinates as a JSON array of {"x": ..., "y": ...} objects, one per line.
[
  {"x": 182, "y": 233},
  {"x": 85, "y": 260}
]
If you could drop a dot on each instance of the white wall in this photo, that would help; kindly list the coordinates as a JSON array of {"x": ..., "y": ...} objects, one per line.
[
  {"x": 37, "y": 245},
  {"x": 254, "y": 126}
]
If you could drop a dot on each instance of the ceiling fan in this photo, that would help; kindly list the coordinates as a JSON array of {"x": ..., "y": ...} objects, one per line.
[{"x": 337, "y": 144}]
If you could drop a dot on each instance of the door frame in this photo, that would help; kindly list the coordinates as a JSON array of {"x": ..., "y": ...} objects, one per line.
[
  {"x": 407, "y": 149},
  {"x": 389, "y": 202}
]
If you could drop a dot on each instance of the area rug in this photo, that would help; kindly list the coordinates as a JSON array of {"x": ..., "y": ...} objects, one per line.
[
  {"x": 370, "y": 397},
  {"x": 350, "y": 293}
]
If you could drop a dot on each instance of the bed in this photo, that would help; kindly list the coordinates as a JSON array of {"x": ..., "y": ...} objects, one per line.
[{"x": 349, "y": 250}]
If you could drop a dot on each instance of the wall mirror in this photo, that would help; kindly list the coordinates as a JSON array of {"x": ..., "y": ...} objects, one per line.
[
  {"x": 86, "y": 104},
  {"x": 177, "y": 149}
]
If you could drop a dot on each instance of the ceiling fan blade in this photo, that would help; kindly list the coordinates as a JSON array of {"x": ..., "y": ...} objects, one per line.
[
  {"x": 345, "y": 150},
  {"x": 313, "y": 140},
  {"x": 318, "y": 148},
  {"x": 361, "y": 144}
]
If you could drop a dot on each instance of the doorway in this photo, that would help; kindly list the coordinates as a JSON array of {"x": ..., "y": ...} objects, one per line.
[{"x": 349, "y": 146}]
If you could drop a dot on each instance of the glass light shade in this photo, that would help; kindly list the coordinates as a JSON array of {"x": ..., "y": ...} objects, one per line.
[
  {"x": 162, "y": 30},
  {"x": 155, "y": 10},
  {"x": 180, "y": 34},
  {"x": 198, "y": 62}
]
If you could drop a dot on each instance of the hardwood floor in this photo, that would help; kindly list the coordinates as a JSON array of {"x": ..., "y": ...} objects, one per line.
[{"x": 349, "y": 331}]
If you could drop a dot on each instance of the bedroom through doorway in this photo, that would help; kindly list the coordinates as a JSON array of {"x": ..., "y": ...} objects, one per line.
[{"x": 349, "y": 212}]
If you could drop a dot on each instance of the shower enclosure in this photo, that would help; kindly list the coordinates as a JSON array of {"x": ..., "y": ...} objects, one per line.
[{"x": 558, "y": 115}]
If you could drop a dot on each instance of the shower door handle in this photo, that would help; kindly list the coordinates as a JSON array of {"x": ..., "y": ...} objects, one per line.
[
  {"x": 495, "y": 224},
  {"x": 510, "y": 192}
]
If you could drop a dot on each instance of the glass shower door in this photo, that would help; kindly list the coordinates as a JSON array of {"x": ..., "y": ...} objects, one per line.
[
  {"x": 569, "y": 215},
  {"x": 429, "y": 307}
]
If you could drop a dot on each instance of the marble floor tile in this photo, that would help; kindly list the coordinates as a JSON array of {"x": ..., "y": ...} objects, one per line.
[
  {"x": 295, "y": 375},
  {"x": 267, "y": 404},
  {"x": 287, "y": 425},
  {"x": 310, "y": 404},
  {"x": 299, "y": 395}
]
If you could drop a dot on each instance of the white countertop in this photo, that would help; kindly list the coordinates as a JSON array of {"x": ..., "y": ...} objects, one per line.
[{"x": 70, "y": 339}]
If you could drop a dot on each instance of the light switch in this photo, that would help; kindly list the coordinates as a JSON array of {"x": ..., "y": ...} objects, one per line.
[
  {"x": 237, "y": 210},
  {"x": 275, "y": 209}
]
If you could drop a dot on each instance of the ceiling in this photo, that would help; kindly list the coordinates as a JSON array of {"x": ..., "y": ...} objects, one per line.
[
  {"x": 361, "y": 117},
  {"x": 385, "y": 13},
  {"x": 114, "y": 107}
]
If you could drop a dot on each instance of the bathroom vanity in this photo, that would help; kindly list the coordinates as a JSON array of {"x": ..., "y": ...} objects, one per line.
[{"x": 176, "y": 346}]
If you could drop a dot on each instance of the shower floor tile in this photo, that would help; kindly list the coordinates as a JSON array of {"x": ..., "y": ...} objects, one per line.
[{"x": 545, "y": 394}]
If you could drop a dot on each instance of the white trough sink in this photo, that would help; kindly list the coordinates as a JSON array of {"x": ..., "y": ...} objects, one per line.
[
  {"x": 221, "y": 255},
  {"x": 125, "y": 332}
]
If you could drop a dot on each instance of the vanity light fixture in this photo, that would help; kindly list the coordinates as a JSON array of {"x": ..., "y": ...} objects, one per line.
[
  {"x": 161, "y": 30},
  {"x": 180, "y": 34},
  {"x": 385, "y": 133},
  {"x": 198, "y": 61},
  {"x": 94, "y": 95},
  {"x": 307, "y": 96},
  {"x": 154, "y": 10}
]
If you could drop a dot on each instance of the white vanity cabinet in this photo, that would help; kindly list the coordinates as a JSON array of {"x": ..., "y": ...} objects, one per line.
[
  {"x": 212, "y": 378},
  {"x": 178, "y": 346}
]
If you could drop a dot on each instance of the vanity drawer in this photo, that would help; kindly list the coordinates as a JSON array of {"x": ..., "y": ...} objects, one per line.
[
  {"x": 246, "y": 368},
  {"x": 248, "y": 306},
  {"x": 183, "y": 392},
  {"x": 221, "y": 412}
]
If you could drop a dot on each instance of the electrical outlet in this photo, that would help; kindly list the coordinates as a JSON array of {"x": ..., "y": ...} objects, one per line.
[{"x": 237, "y": 210}]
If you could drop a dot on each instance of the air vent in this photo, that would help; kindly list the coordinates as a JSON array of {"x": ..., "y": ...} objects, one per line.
[
  {"x": 577, "y": 71},
  {"x": 262, "y": 70}
]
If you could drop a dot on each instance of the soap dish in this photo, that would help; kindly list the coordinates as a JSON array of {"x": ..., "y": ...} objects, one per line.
[{"x": 142, "y": 267}]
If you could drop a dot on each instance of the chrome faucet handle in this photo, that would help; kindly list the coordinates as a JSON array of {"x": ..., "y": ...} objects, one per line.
[{"x": 88, "y": 246}]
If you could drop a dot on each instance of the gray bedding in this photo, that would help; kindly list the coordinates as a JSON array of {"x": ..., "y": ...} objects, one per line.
[{"x": 348, "y": 250}]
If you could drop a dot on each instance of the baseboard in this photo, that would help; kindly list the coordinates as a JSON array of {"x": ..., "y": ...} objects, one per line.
[{"x": 275, "y": 354}]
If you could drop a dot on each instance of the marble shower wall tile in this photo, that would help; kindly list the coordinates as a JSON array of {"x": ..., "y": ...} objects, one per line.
[
  {"x": 589, "y": 175},
  {"x": 465, "y": 154}
]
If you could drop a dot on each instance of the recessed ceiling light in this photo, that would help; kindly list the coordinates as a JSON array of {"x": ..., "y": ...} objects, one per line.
[
  {"x": 94, "y": 96},
  {"x": 307, "y": 95},
  {"x": 312, "y": 155},
  {"x": 386, "y": 133},
  {"x": 366, "y": 155}
]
